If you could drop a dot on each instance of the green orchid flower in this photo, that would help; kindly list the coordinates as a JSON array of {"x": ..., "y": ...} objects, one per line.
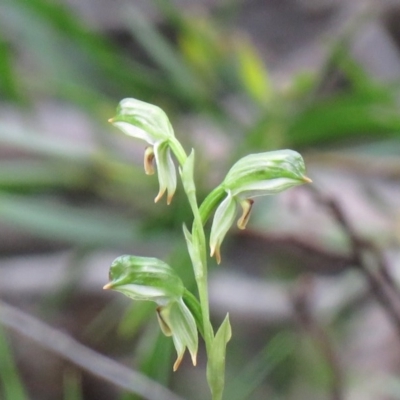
[
  {"x": 176, "y": 320},
  {"x": 254, "y": 175},
  {"x": 148, "y": 122},
  {"x": 144, "y": 278}
]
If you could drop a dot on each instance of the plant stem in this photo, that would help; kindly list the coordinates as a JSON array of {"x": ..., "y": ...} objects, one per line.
[
  {"x": 210, "y": 203},
  {"x": 197, "y": 232},
  {"x": 178, "y": 151},
  {"x": 197, "y": 247},
  {"x": 201, "y": 279}
]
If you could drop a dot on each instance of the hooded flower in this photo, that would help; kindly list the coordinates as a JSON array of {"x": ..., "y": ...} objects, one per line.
[
  {"x": 149, "y": 123},
  {"x": 254, "y": 175},
  {"x": 176, "y": 320},
  {"x": 143, "y": 278}
]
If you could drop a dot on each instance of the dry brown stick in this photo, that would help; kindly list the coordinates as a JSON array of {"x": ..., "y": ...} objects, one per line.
[
  {"x": 68, "y": 348},
  {"x": 384, "y": 269},
  {"x": 303, "y": 313},
  {"x": 380, "y": 282}
]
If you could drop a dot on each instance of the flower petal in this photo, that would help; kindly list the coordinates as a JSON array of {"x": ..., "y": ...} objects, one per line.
[
  {"x": 223, "y": 220},
  {"x": 265, "y": 173},
  {"x": 177, "y": 321},
  {"x": 148, "y": 160},
  {"x": 246, "y": 207},
  {"x": 133, "y": 131},
  {"x": 145, "y": 278},
  {"x": 143, "y": 121},
  {"x": 166, "y": 171},
  {"x": 184, "y": 331},
  {"x": 265, "y": 187}
]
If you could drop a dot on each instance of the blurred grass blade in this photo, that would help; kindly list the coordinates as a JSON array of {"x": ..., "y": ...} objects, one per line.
[
  {"x": 156, "y": 356},
  {"x": 72, "y": 385},
  {"x": 83, "y": 357},
  {"x": 353, "y": 71},
  {"x": 36, "y": 175},
  {"x": 163, "y": 53},
  {"x": 157, "y": 362},
  {"x": 252, "y": 72},
  {"x": 106, "y": 57},
  {"x": 36, "y": 143},
  {"x": 134, "y": 317},
  {"x": 55, "y": 221},
  {"x": 8, "y": 78},
  {"x": 13, "y": 388},
  {"x": 201, "y": 47},
  {"x": 343, "y": 117},
  {"x": 255, "y": 372}
]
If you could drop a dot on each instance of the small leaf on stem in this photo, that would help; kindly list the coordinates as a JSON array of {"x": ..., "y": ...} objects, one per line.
[{"x": 216, "y": 359}]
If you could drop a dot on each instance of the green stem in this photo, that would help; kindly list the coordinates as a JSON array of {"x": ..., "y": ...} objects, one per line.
[
  {"x": 201, "y": 278},
  {"x": 178, "y": 150},
  {"x": 202, "y": 281},
  {"x": 195, "y": 308},
  {"x": 210, "y": 203}
]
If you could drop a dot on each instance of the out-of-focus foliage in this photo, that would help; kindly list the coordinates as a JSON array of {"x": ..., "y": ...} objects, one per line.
[
  {"x": 96, "y": 197},
  {"x": 12, "y": 386}
]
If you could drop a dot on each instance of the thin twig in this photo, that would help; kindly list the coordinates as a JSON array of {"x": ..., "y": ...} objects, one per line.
[
  {"x": 303, "y": 313},
  {"x": 68, "y": 348},
  {"x": 381, "y": 284},
  {"x": 313, "y": 255}
]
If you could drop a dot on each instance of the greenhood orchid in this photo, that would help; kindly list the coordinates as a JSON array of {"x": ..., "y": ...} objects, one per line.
[
  {"x": 148, "y": 122},
  {"x": 254, "y": 175},
  {"x": 144, "y": 278},
  {"x": 181, "y": 315}
]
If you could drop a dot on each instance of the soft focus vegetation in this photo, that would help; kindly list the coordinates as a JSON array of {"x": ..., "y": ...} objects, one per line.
[{"x": 73, "y": 189}]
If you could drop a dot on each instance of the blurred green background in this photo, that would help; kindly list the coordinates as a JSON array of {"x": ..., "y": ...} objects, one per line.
[{"x": 234, "y": 76}]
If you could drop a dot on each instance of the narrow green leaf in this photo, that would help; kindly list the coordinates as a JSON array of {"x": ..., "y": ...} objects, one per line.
[
  {"x": 72, "y": 385},
  {"x": 41, "y": 174},
  {"x": 277, "y": 351},
  {"x": 342, "y": 117},
  {"x": 153, "y": 354},
  {"x": 216, "y": 359},
  {"x": 252, "y": 72},
  {"x": 55, "y": 221},
  {"x": 13, "y": 388},
  {"x": 156, "y": 363},
  {"x": 134, "y": 317},
  {"x": 106, "y": 57},
  {"x": 36, "y": 143},
  {"x": 163, "y": 53},
  {"x": 8, "y": 76}
]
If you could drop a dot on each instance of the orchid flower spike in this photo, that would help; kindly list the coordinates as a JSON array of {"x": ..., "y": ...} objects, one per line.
[
  {"x": 144, "y": 278},
  {"x": 254, "y": 175},
  {"x": 148, "y": 122}
]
